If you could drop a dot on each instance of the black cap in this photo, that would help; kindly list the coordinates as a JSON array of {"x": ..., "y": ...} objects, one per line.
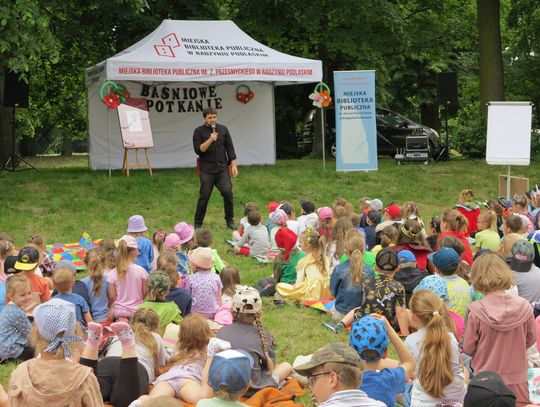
[
  {"x": 9, "y": 265},
  {"x": 27, "y": 259},
  {"x": 387, "y": 260},
  {"x": 487, "y": 389},
  {"x": 374, "y": 217},
  {"x": 307, "y": 206}
]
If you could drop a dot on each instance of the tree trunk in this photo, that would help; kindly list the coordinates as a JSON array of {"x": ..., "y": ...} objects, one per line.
[
  {"x": 68, "y": 147},
  {"x": 429, "y": 116},
  {"x": 490, "y": 53},
  {"x": 5, "y": 125},
  {"x": 317, "y": 150}
]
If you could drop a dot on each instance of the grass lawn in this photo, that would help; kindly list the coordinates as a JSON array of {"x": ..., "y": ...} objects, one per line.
[{"x": 68, "y": 199}]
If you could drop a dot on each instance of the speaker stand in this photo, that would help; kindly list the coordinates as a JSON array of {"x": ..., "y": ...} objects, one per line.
[
  {"x": 445, "y": 152},
  {"x": 15, "y": 159}
]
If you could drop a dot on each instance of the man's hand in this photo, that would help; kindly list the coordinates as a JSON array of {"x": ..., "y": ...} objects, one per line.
[
  {"x": 213, "y": 136},
  {"x": 234, "y": 169}
]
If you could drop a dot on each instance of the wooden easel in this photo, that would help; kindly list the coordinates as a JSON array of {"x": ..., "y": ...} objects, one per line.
[{"x": 127, "y": 165}]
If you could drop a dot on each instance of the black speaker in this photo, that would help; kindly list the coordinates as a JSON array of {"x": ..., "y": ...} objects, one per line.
[
  {"x": 16, "y": 91},
  {"x": 447, "y": 92}
]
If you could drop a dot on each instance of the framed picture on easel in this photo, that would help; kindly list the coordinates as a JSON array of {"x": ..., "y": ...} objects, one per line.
[{"x": 136, "y": 132}]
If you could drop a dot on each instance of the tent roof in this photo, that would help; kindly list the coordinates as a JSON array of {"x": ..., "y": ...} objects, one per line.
[{"x": 205, "y": 51}]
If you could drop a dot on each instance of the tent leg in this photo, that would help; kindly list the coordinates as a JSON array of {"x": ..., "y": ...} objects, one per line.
[{"x": 109, "y": 141}]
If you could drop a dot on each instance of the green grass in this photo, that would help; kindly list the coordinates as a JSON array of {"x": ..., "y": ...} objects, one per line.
[{"x": 68, "y": 199}]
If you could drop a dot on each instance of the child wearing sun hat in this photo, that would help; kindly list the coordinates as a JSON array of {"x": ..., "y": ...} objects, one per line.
[
  {"x": 229, "y": 376},
  {"x": 204, "y": 285},
  {"x": 138, "y": 229}
]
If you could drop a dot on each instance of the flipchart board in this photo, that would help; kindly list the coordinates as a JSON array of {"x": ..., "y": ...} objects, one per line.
[{"x": 135, "y": 124}]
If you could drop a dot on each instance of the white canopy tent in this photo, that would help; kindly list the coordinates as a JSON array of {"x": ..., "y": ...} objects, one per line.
[{"x": 182, "y": 67}]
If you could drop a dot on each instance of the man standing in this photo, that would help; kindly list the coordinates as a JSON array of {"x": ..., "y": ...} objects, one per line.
[{"x": 213, "y": 144}]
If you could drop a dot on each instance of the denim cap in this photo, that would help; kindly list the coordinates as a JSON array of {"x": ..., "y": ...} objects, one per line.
[
  {"x": 230, "y": 370},
  {"x": 66, "y": 264},
  {"x": 333, "y": 353},
  {"x": 368, "y": 333},
  {"x": 136, "y": 224},
  {"x": 279, "y": 217},
  {"x": 27, "y": 258},
  {"x": 445, "y": 259},
  {"x": 55, "y": 321},
  {"x": 434, "y": 283},
  {"x": 406, "y": 256},
  {"x": 185, "y": 231}
]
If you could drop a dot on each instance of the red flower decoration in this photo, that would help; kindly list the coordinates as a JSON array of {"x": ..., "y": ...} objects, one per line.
[
  {"x": 326, "y": 99},
  {"x": 112, "y": 100}
]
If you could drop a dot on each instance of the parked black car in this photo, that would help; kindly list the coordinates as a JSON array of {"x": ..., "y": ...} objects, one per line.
[{"x": 392, "y": 129}]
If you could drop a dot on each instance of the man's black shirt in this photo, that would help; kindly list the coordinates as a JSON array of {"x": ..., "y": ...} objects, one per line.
[{"x": 220, "y": 153}]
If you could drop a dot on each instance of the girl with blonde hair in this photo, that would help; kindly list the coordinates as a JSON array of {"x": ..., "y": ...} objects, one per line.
[
  {"x": 440, "y": 376},
  {"x": 96, "y": 285},
  {"x": 410, "y": 237},
  {"x": 346, "y": 280},
  {"x": 127, "y": 281},
  {"x": 312, "y": 271},
  {"x": 487, "y": 236},
  {"x": 500, "y": 327},
  {"x": 247, "y": 333}
]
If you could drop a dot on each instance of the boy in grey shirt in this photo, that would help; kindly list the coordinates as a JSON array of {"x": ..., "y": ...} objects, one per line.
[{"x": 256, "y": 235}]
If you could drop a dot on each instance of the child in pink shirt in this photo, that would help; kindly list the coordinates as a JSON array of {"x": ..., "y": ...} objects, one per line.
[
  {"x": 500, "y": 327},
  {"x": 204, "y": 285},
  {"x": 127, "y": 281}
]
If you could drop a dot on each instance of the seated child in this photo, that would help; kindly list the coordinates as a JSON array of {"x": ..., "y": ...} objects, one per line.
[
  {"x": 138, "y": 230},
  {"x": 244, "y": 223},
  {"x": 158, "y": 245},
  {"x": 6, "y": 250},
  {"x": 186, "y": 375},
  {"x": 292, "y": 223},
  {"x": 272, "y": 206},
  {"x": 381, "y": 295},
  {"x": 257, "y": 237},
  {"x": 204, "y": 239},
  {"x": 79, "y": 287},
  {"x": 9, "y": 269},
  {"x": 27, "y": 263},
  {"x": 96, "y": 285},
  {"x": 308, "y": 218},
  {"x": 230, "y": 278},
  {"x": 64, "y": 280},
  {"x": 408, "y": 274},
  {"x": 56, "y": 336},
  {"x": 204, "y": 286},
  {"x": 312, "y": 272},
  {"x": 373, "y": 218},
  {"x": 46, "y": 263},
  {"x": 14, "y": 324},
  {"x": 157, "y": 288},
  {"x": 468, "y": 208},
  {"x": 447, "y": 261},
  {"x": 180, "y": 296},
  {"x": 229, "y": 376},
  {"x": 347, "y": 278},
  {"x": 487, "y": 236},
  {"x": 247, "y": 333},
  {"x": 369, "y": 337},
  {"x": 326, "y": 222},
  {"x": 440, "y": 376},
  {"x": 280, "y": 218}
]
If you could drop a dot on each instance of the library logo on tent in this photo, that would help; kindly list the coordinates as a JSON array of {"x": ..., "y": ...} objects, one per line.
[{"x": 165, "y": 49}]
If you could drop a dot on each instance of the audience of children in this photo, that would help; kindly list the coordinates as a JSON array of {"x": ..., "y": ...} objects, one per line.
[{"x": 499, "y": 331}]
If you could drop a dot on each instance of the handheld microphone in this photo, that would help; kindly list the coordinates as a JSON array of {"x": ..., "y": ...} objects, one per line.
[{"x": 213, "y": 128}]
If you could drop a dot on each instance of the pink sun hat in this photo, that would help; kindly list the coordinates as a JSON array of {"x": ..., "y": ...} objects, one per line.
[
  {"x": 172, "y": 241},
  {"x": 202, "y": 258},
  {"x": 185, "y": 231},
  {"x": 136, "y": 224}
]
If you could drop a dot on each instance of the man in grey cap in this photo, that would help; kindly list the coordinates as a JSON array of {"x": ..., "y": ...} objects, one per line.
[{"x": 334, "y": 374}]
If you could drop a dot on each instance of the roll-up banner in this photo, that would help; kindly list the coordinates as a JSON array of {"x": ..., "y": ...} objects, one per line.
[{"x": 356, "y": 124}]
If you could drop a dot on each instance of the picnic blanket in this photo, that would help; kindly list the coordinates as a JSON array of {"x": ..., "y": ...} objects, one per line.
[
  {"x": 74, "y": 252},
  {"x": 321, "y": 305}
]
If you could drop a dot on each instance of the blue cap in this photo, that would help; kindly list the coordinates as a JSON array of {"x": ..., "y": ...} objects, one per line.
[
  {"x": 445, "y": 259},
  {"x": 230, "y": 370},
  {"x": 406, "y": 256},
  {"x": 434, "y": 283},
  {"x": 368, "y": 333}
]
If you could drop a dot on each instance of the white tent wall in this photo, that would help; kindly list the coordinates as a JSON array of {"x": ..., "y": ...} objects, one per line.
[{"x": 251, "y": 125}]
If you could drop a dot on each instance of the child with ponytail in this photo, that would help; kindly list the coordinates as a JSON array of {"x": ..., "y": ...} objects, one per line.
[
  {"x": 455, "y": 224},
  {"x": 440, "y": 376},
  {"x": 96, "y": 285},
  {"x": 500, "y": 327},
  {"x": 487, "y": 236},
  {"x": 312, "y": 271},
  {"x": 127, "y": 281},
  {"x": 247, "y": 333},
  {"x": 347, "y": 278}
]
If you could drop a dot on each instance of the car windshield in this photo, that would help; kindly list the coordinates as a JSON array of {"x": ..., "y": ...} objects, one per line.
[{"x": 389, "y": 118}]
